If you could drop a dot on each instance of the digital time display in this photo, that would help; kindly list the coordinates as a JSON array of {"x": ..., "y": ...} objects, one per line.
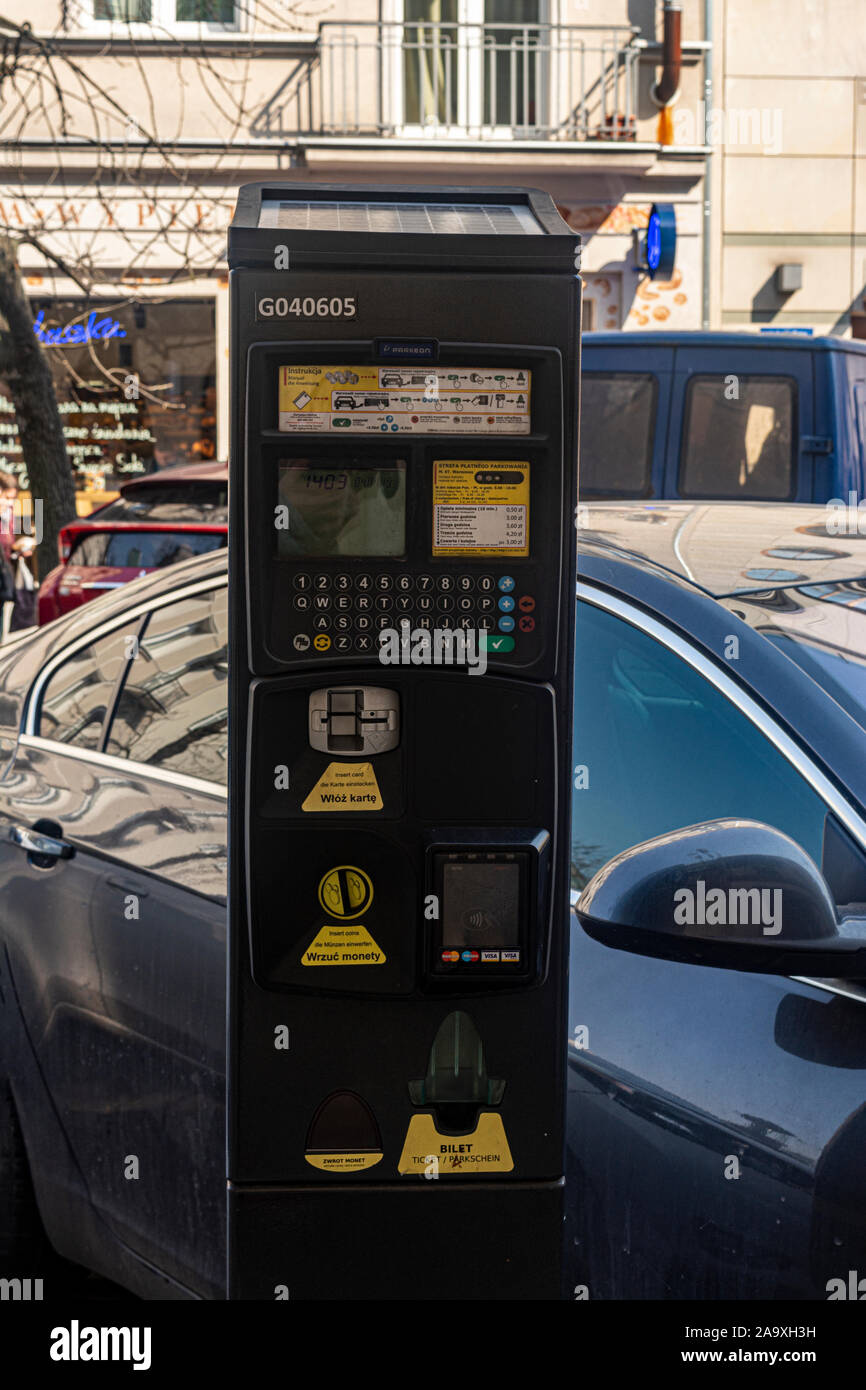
[{"x": 325, "y": 508}]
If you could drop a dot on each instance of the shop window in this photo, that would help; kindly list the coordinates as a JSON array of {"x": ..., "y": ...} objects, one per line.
[{"x": 136, "y": 387}]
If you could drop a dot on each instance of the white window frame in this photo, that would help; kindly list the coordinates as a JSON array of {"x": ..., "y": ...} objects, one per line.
[
  {"x": 162, "y": 24},
  {"x": 470, "y": 68}
]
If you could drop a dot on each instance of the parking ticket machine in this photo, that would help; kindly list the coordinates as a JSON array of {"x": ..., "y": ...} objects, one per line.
[{"x": 403, "y": 490}]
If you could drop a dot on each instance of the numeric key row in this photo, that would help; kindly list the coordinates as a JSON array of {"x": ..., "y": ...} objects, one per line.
[{"x": 384, "y": 583}]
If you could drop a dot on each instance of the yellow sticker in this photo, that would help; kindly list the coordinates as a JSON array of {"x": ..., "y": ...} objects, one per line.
[
  {"x": 345, "y": 891},
  {"x": 485, "y": 1150},
  {"x": 345, "y": 787},
  {"x": 343, "y": 1163},
  {"x": 480, "y": 507},
  {"x": 407, "y": 399},
  {"x": 336, "y": 944}
]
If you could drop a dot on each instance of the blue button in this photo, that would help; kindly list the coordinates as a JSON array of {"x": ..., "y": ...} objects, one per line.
[
  {"x": 506, "y": 604},
  {"x": 506, "y": 583},
  {"x": 506, "y": 624}
]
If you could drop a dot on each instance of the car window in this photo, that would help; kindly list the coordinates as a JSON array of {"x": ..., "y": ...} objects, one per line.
[
  {"x": 207, "y": 502},
  {"x": 172, "y": 711},
  {"x": 663, "y": 749},
  {"x": 89, "y": 550},
  {"x": 78, "y": 695},
  {"x": 738, "y": 437},
  {"x": 144, "y": 549},
  {"x": 617, "y": 428}
]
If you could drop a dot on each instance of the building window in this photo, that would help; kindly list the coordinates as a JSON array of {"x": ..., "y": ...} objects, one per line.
[
  {"x": 164, "y": 14},
  {"x": 136, "y": 387},
  {"x": 123, "y": 11},
  {"x": 474, "y": 64},
  {"x": 205, "y": 12}
]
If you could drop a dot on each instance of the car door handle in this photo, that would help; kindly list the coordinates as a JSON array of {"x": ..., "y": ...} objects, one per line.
[{"x": 34, "y": 842}]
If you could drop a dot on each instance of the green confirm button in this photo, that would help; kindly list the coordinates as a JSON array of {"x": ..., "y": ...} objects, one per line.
[{"x": 493, "y": 642}]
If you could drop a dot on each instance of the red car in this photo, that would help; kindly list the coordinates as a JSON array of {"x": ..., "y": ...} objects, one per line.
[{"x": 156, "y": 521}]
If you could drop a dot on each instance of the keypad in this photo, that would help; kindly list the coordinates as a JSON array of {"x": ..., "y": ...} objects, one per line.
[{"x": 343, "y": 613}]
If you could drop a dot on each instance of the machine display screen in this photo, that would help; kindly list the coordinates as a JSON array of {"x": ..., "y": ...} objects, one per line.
[
  {"x": 326, "y": 509},
  {"x": 481, "y": 905}
]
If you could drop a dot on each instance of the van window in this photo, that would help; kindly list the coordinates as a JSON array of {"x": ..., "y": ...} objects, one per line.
[
  {"x": 617, "y": 428},
  {"x": 739, "y": 438},
  {"x": 860, "y": 411}
]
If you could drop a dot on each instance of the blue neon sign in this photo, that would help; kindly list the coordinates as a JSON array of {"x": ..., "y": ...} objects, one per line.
[{"x": 95, "y": 329}]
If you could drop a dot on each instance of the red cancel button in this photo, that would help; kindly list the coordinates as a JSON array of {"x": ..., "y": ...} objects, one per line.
[{"x": 526, "y": 604}]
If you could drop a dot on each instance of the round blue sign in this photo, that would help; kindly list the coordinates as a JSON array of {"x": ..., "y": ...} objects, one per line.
[{"x": 661, "y": 241}]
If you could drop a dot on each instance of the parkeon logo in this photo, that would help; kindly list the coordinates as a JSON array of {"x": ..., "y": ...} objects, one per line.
[
  {"x": 77, "y": 1343},
  {"x": 734, "y": 907}
]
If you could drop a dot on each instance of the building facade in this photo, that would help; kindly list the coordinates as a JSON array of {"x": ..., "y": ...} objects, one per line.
[{"x": 128, "y": 125}]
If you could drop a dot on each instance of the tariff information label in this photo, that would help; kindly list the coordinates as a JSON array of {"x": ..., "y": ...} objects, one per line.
[
  {"x": 403, "y": 400},
  {"x": 480, "y": 508}
]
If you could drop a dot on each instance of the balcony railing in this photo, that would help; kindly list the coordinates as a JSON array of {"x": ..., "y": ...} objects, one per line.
[{"x": 462, "y": 82}]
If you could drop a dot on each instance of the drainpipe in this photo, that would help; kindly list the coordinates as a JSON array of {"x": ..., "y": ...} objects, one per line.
[
  {"x": 666, "y": 91},
  {"x": 708, "y": 166},
  {"x": 668, "y": 85}
]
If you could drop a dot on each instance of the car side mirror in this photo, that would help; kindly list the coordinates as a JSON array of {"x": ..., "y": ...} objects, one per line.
[{"x": 729, "y": 893}]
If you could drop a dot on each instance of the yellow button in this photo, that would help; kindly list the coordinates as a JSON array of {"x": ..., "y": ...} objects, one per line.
[
  {"x": 322, "y": 642},
  {"x": 345, "y": 891}
]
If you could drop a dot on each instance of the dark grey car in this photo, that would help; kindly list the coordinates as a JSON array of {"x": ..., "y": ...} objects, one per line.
[
  {"x": 112, "y": 900},
  {"x": 112, "y": 880}
]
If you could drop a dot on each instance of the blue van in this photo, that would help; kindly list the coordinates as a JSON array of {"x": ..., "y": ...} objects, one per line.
[{"x": 722, "y": 415}]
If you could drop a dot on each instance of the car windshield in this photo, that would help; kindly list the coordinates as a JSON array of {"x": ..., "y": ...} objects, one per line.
[{"x": 143, "y": 549}]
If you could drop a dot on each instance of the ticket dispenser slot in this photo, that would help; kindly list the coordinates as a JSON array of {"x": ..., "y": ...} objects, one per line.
[{"x": 403, "y": 488}]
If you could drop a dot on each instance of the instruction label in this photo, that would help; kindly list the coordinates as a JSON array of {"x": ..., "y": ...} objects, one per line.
[
  {"x": 343, "y": 1163},
  {"x": 345, "y": 787},
  {"x": 480, "y": 508},
  {"x": 403, "y": 400},
  {"x": 336, "y": 944},
  {"x": 485, "y": 1150}
]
